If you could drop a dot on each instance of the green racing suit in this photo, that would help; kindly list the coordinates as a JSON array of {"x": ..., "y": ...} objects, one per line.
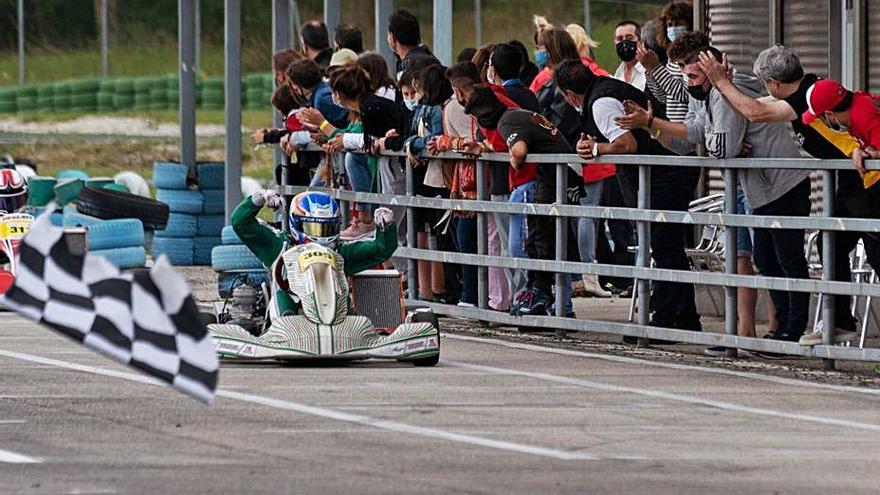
[{"x": 267, "y": 244}]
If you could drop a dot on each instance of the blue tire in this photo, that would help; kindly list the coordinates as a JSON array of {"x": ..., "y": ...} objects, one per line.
[
  {"x": 202, "y": 249},
  {"x": 73, "y": 218},
  {"x": 211, "y": 225},
  {"x": 230, "y": 238},
  {"x": 179, "y": 225},
  {"x": 215, "y": 201},
  {"x": 170, "y": 175},
  {"x": 181, "y": 201},
  {"x": 226, "y": 280},
  {"x": 114, "y": 234},
  {"x": 179, "y": 251},
  {"x": 124, "y": 257},
  {"x": 224, "y": 258},
  {"x": 211, "y": 175},
  {"x": 72, "y": 173}
]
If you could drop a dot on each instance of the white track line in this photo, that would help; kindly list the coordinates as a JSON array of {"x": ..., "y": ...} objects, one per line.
[
  {"x": 13, "y": 458},
  {"x": 324, "y": 413},
  {"x": 657, "y": 364},
  {"x": 656, "y": 394}
]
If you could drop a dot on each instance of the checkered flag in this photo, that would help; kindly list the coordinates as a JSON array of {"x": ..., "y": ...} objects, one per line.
[{"x": 145, "y": 319}]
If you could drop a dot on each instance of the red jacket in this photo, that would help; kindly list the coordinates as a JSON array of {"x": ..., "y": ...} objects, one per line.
[{"x": 527, "y": 171}]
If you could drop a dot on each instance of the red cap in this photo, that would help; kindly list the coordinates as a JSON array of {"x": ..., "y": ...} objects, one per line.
[{"x": 822, "y": 97}]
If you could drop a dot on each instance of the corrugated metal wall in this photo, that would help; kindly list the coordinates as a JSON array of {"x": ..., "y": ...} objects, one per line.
[
  {"x": 872, "y": 45},
  {"x": 741, "y": 29},
  {"x": 806, "y": 28}
]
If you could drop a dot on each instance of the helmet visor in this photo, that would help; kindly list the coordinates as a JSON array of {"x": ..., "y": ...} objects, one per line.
[
  {"x": 316, "y": 228},
  {"x": 13, "y": 203}
]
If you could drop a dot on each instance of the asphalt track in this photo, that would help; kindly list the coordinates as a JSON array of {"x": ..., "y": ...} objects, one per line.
[{"x": 493, "y": 417}]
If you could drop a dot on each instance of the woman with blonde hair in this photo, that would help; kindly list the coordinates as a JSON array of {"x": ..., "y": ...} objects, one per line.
[{"x": 585, "y": 44}]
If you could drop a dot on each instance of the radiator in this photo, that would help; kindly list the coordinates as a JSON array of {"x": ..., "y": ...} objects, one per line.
[{"x": 378, "y": 295}]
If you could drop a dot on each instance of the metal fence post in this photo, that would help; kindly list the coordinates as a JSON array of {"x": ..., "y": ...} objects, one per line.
[
  {"x": 412, "y": 266},
  {"x": 186, "y": 39},
  {"x": 478, "y": 22},
  {"x": 828, "y": 252},
  {"x": 644, "y": 257},
  {"x": 198, "y": 8},
  {"x": 332, "y": 17},
  {"x": 383, "y": 10},
  {"x": 730, "y": 257},
  {"x": 21, "y": 77},
  {"x": 562, "y": 285},
  {"x": 443, "y": 31},
  {"x": 280, "y": 41},
  {"x": 482, "y": 237},
  {"x": 587, "y": 16},
  {"x": 105, "y": 44},
  {"x": 232, "y": 85}
]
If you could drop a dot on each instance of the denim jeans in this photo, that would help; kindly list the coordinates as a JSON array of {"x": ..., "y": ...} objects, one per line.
[
  {"x": 780, "y": 253},
  {"x": 586, "y": 226},
  {"x": 672, "y": 302},
  {"x": 467, "y": 243},
  {"x": 359, "y": 176},
  {"x": 518, "y": 231}
]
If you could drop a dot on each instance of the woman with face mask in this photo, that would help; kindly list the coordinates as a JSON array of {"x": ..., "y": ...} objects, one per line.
[{"x": 666, "y": 81}]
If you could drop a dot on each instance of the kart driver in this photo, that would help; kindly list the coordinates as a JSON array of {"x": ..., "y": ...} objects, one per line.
[{"x": 314, "y": 217}]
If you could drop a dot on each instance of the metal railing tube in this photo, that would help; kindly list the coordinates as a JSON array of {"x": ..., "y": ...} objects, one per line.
[
  {"x": 828, "y": 254},
  {"x": 562, "y": 285},
  {"x": 482, "y": 236},
  {"x": 643, "y": 286},
  {"x": 412, "y": 266},
  {"x": 731, "y": 312}
]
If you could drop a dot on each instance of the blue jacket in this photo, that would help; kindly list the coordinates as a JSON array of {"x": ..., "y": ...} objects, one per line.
[
  {"x": 322, "y": 100},
  {"x": 432, "y": 116}
]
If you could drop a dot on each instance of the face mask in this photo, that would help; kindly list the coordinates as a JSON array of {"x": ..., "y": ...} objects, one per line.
[
  {"x": 626, "y": 50},
  {"x": 673, "y": 32},
  {"x": 835, "y": 124},
  {"x": 541, "y": 58},
  {"x": 698, "y": 92},
  {"x": 410, "y": 104}
]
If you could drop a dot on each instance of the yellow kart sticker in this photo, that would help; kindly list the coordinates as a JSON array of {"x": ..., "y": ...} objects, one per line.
[
  {"x": 15, "y": 227},
  {"x": 310, "y": 258}
]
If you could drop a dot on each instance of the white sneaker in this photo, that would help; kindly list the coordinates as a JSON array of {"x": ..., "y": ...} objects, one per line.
[
  {"x": 592, "y": 287},
  {"x": 463, "y": 304},
  {"x": 816, "y": 337}
]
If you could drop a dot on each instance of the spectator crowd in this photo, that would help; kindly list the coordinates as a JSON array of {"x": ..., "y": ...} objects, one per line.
[{"x": 672, "y": 93}]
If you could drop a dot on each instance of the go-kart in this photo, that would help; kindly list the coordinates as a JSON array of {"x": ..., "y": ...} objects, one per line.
[{"x": 325, "y": 326}]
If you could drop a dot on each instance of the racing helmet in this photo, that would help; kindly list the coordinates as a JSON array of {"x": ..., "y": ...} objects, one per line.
[
  {"x": 315, "y": 217},
  {"x": 13, "y": 191}
]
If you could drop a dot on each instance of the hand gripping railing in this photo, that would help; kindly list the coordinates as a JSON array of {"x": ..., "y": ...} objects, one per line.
[{"x": 643, "y": 216}]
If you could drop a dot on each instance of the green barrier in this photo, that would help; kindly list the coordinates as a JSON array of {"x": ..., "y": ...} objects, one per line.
[
  {"x": 8, "y": 107},
  {"x": 26, "y": 103},
  {"x": 123, "y": 101},
  {"x": 125, "y": 86},
  {"x": 84, "y": 86},
  {"x": 41, "y": 190}
]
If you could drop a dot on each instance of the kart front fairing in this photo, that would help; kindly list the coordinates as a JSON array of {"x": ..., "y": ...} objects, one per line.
[{"x": 325, "y": 329}]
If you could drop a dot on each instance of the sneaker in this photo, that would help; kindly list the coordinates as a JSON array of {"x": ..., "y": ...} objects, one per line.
[
  {"x": 592, "y": 287},
  {"x": 716, "y": 351},
  {"x": 533, "y": 302},
  {"x": 816, "y": 337},
  {"x": 463, "y": 304},
  {"x": 782, "y": 335},
  {"x": 358, "y": 231}
]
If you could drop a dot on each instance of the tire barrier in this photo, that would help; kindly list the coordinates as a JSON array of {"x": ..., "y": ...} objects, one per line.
[
  {"x": 178, "y": 250},
  {"x": 109, "y": 204},
  {"x": 234, "y": 257}
]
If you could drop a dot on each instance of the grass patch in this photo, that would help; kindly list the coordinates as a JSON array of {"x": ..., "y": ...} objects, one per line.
[{"x": 250, "y": 119}]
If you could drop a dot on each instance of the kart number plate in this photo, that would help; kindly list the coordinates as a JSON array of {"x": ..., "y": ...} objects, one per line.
[
  {"x": 15, "y": 227},
  {"x": 310, "y": 258}
]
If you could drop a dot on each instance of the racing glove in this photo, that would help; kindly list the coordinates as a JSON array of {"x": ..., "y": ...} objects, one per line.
[
  {"x": 267, "y": 197},
  {"x": 383, "y": 217}
]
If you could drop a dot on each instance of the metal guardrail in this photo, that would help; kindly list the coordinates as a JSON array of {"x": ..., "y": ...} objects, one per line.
[{"x": 643, "y": 216}]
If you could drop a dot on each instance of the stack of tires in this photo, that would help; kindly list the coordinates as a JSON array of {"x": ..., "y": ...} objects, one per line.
[
  {"x": 61, "y": 97},
  {"x": 211, "y": 94},
  {"x": 26, "y": 99},
  {"x": 258, "y": 90},
  {"x": 172, "y": 90},
  {"x": 177, "y": 239},
  {"x": 158, "y": 94},
  {"x": 45, "y": 98},
  {"x": 119, "y": 241},
  {"x": 123, "y": 94},
  {"x": 8, "y": 100},
  {"x": 211, "y": 176},
  {"x": 143, "y": 92},
  {"x": 106, "y": 96},
  {"x": 84, "y": 95},
  {"x": 235, "y": 263}
]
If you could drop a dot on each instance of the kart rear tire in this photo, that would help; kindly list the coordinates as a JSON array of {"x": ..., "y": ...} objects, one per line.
[
  {"x": 428, "y": 361},
  {"x": 207, "y": 318}
]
